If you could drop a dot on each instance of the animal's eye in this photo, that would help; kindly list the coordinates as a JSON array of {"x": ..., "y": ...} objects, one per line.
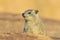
[{"x": 29, "y": 13}]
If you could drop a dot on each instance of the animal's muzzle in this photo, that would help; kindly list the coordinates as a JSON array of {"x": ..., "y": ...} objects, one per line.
[{"x": 23, "y": 14}]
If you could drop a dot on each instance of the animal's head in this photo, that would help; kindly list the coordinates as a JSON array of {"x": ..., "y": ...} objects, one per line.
[{"x": 30, "y": 14}]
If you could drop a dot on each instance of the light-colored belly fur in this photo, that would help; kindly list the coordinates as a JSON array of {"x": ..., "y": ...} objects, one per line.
[{"x": 35, "y": 26}]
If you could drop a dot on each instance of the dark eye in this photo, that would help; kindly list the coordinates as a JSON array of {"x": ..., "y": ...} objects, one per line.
[{"x": 29, "y": 12}]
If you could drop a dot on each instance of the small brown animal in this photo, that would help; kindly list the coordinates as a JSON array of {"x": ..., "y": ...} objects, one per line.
[{"x": 33, "y": 22}]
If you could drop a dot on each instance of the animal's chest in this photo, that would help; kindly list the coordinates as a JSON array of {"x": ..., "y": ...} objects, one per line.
[{"x": 33, "y": 27}]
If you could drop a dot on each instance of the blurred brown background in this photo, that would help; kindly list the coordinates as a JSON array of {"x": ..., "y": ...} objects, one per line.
[
  {"x": 12, "y": 21},
  {"x": 48, "y": 8}
]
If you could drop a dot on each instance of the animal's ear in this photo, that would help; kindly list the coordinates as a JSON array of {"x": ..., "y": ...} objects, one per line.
[
  {"x": 23, "y": 14},
  {"x": 36, "y": 11}
]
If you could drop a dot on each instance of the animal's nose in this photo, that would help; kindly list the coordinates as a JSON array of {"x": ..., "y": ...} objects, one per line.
[{"x": 23, "y": 14}]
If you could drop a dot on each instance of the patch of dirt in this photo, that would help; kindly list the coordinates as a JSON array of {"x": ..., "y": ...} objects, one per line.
[{"x": 22, "y": 36}]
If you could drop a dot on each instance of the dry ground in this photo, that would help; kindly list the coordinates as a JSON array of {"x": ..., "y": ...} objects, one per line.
[
  {"x": 22, "y": 36},
  {"x": 14, "y": 23}
]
